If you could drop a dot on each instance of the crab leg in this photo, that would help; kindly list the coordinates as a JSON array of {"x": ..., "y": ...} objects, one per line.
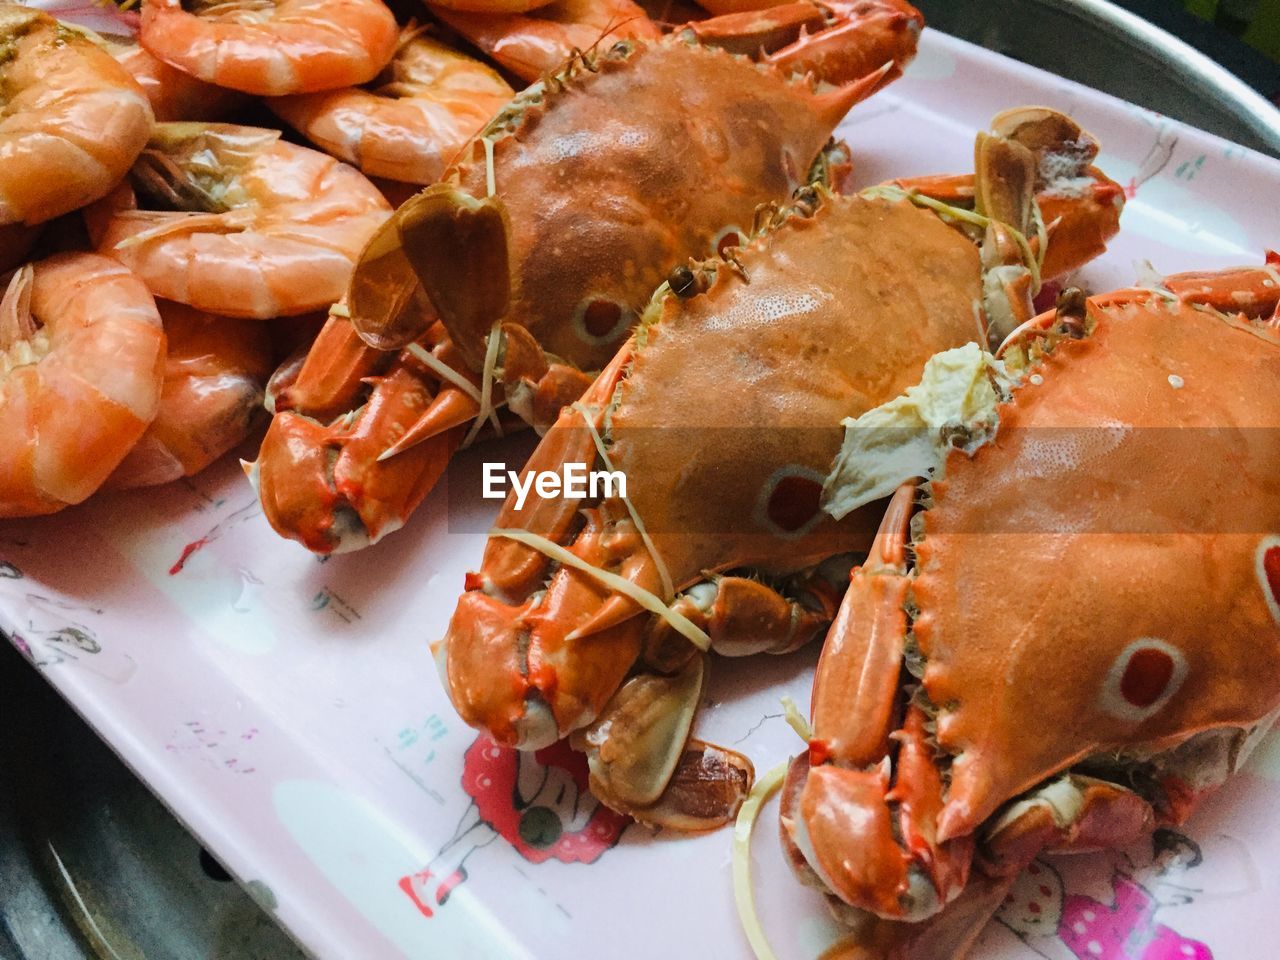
[
  {"x": 511, "y": 569},
  {"x": 1253, "y": 291},
  {"x": 860, "y": 39},
  {"x": 643, "y": 763},
  {"x": 536, "y": 43},
  {"x": 744, "y": 617},
  {"x": 1072, "y": 813},
  {"x": 328, "y": 380},
  {"x": 1078, "y": 220},
  {"x": 862, "y": 823},
  {"x": 864, "y": 44}
]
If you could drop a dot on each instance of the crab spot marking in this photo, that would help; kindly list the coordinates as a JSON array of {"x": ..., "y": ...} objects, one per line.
[
  {"x": 599, "y": 320},
  {"x": 790, "y": 501},
  {"x": 1269, "y": 573},
  {"x": 1145, "y": 676},
  {"x": 727, "y": 239},
  {"x": 1142, "y": 679}
]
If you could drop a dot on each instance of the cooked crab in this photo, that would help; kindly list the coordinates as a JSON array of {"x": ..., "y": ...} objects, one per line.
[
  {"x": 544, "y": 239},
  {"x": 1047, "y": 656},
  {"x": 723, "y": 412}
]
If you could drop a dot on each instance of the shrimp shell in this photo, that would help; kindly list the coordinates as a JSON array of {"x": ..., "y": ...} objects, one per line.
[
  {"x": 424, "y": 108},
  {"x": 72, "y": 121},
  {"x": 174, "y": 95},
  {"x": 214, "y": 375},
  {"x": 263, "y": 228},
  {"x": 81, "y": 364},
  {"x": 272, "y": 48}
]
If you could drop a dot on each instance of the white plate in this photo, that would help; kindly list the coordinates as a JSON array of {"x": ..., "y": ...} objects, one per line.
[{"x": 289, "y": 713}]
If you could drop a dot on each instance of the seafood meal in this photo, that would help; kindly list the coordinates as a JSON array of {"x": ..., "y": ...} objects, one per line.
[{"x": 1032, "y": 527}]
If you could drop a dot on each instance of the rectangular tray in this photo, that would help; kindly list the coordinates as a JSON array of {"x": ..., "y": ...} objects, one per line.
[{"x": 288, "y": 711}]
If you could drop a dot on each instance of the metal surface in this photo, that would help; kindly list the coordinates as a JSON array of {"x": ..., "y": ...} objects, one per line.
[
  {"x": 92, "y": 866},
  {"x": 1111, "y": 49}
]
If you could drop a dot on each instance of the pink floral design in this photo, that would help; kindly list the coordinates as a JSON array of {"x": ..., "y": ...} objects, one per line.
[
  {"x": 536, "y": 831},
  {"x": 1125, "y": 930},
  {"x": 538, "y": 803}
]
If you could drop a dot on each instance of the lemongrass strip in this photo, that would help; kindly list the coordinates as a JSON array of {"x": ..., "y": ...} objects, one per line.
[
  {"x": 743, "y": 896},
  {"x": 668, "y": 588},
  {"x": 1032, "y": 264},
  {"x": 1240, "y": 323},
  {"x": 490, "y": 180},
  {"x": 443, "y": 370},
  {"x": 1033, "y": 261},
  {"x": 890, "y": 192},
  {"x": 680, "y": 623},
  {"x": 1042, "y": 232},
  {"x": 487, "y": 410},
  {"x": 796, "y": 720}
]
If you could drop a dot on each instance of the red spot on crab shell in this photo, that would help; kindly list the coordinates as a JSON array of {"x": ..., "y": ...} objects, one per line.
[
  {"x": 728, "y": 242},
  {"x": 1271, "y": 570},
  {"x": 601, "y": 317},
  {"x": 1146, "y": 676},
  {"x": 794, "y": 502}
]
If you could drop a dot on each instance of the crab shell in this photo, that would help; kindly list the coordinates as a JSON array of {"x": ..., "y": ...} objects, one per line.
[
  {"x": 729, "y": 416},
  {"x": 1091, "y": 627},
  {"x": 722, "y": 400},
  {"x": 605, "y": 177},
  {"x": 1103, "y": 577}
]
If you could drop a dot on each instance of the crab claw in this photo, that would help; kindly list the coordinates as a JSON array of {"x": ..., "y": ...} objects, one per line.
[
  {"x": 319, "y": 471},
  {"x": 455, "y": 246},
  {"x": 388, "y": 307},
  {"x": 860, "y": 38},
  {"x": 865, "y": 826}
]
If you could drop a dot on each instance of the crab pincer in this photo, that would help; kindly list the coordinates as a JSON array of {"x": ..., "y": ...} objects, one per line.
[
  {"x": 587, "y": 615},
  {"x": 1002, "y": 680}
]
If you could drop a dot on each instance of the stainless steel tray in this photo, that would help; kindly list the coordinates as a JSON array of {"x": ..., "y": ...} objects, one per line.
[{"x": 1106, "y": 47}]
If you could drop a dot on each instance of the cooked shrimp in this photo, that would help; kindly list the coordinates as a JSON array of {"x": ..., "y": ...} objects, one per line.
[
  {"x": 272, "y": 47},
  {"x": 214, "y": 374},
  {"x": 534, "y": 44},
  {"x": 237, "y": 222},
  {"x": 72, "y": 121},
  {"x": 81, "y": 363},
  {"x": 174, "y": 95},
  {"x": 410, "y": 122},
  {"x": 493, "y": 6}
]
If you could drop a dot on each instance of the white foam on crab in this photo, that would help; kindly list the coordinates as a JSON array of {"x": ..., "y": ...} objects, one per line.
[{"x": 957, "y": 396}]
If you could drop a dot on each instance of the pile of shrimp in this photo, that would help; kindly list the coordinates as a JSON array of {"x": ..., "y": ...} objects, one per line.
[{"x": 185, "y": 188}]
